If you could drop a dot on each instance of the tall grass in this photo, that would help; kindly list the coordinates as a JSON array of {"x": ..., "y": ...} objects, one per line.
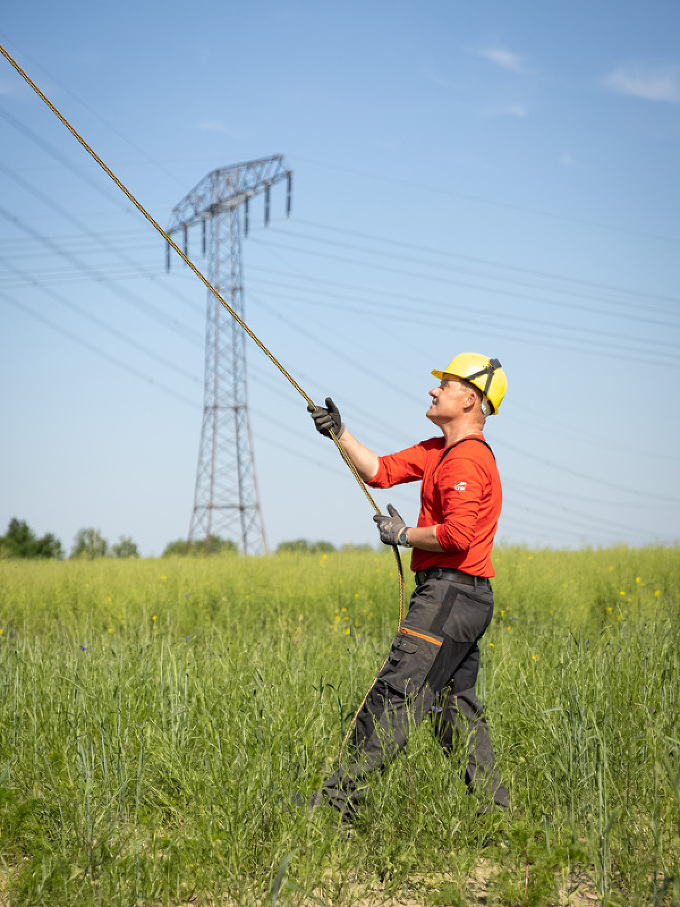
[{"x": 160, "y": 721}]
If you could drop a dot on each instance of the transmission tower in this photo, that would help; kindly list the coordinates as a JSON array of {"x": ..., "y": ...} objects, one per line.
[{"x": 226, "y": 501}]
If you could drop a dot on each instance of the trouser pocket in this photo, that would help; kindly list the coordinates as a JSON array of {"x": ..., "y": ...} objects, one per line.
[
  {"x": 412, "y": 655},
  {"x": 468, "y": 615}
]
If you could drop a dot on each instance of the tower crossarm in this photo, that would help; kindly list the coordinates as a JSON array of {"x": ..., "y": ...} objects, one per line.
[{"x": 228, "y": 187}]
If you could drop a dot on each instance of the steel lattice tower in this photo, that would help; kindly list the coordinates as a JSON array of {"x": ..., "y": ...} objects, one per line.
[{"x": 226, "y": 501}]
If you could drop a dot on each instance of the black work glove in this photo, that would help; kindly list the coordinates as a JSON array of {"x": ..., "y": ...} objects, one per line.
[
  {"x": 390, "y": 526},
  {"x": 327, "y": 418}
]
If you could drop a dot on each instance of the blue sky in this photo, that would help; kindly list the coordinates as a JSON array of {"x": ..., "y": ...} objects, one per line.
[{"x": 493, "y": 177}]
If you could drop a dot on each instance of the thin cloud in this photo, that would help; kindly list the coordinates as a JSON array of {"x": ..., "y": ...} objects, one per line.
[
  {"x": 507, "y": 110},
  {"x": 652, "y": 84},
  {"x": 569, "y": 161},
  {"x": 88, "y": 57},
  {"x": 506, "y": 59},
  {"x": 435, "y": 78},
  {"x": 215, "y": 126}
]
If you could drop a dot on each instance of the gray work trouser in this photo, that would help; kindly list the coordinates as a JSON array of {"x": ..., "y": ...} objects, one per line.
[{"x": 431, "y": 670}]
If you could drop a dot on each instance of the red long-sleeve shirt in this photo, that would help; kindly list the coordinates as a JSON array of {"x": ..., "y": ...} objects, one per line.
[{"x": 460, "y": 494}]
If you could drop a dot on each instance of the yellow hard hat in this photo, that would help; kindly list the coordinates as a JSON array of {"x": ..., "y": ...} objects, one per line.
[{"x": 486, "y": 375}]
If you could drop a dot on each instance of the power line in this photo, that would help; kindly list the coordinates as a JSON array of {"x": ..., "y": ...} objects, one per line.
[
  {"x": 433, "y": 278},
  {"x": 104, "y": 241},
  {"x": 489, "y": 277},
  {"x": 574, "y": 472},
  {"x": 305, "y": 332},
  {"x": 150, "y": 310},
  {"x": 545, "y": 493},
  {"x": 592, "y": 337},
  {"x": 439, "y": 190},
  {"x": 136, "y": 238},
  {"x": 64, "y": 276},
  {"x": 120, "y": 335},
  {"x": 96, "y": 113},
  {"x": 641, "y": 533},
  {"x": 486, "y": 262},
  {"x": 572, "y": 285},
  {"x": 525, "y": 325},
  {"x": 99, "y": 352},
  {"x": 566, "y": 327},
  {"x": 593, "y": 520},
  {"x": 111, "y": 198}
]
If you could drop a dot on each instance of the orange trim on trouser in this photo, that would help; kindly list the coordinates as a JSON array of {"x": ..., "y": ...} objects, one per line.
[{"x": 408, "y": 632}]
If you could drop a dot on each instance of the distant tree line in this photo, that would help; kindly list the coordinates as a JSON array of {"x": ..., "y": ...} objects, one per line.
[
  {"x": 20, "y": 541},
  {"x": 193, "y": 549},
  {"x": 89, "y": 544},
  {"x": 302, "y": 546}
]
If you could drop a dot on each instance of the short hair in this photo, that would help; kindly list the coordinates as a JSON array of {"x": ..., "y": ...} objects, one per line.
[{"x": 484, "y": 405}]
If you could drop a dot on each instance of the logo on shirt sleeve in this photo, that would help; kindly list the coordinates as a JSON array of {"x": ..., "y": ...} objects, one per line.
[{"x": 461, "y": 486}]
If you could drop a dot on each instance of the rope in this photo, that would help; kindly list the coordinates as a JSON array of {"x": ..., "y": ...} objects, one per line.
[{"x": 233, "y": 314}]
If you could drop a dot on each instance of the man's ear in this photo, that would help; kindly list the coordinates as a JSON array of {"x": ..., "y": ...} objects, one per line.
[{"x": 471, "y": 399}]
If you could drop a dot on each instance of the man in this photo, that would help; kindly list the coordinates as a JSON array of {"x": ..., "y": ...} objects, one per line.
[{"x": 434, "y": 660}]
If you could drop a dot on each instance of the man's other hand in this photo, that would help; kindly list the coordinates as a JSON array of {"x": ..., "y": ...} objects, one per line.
[{"x": 389, "y": 526}]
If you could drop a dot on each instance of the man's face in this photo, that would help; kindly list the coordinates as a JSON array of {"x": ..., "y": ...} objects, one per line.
[{"x": 449, "y": 399}]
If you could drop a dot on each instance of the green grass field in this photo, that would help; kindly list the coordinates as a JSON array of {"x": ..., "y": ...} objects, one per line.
[{"x": 158, "y": 717}]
